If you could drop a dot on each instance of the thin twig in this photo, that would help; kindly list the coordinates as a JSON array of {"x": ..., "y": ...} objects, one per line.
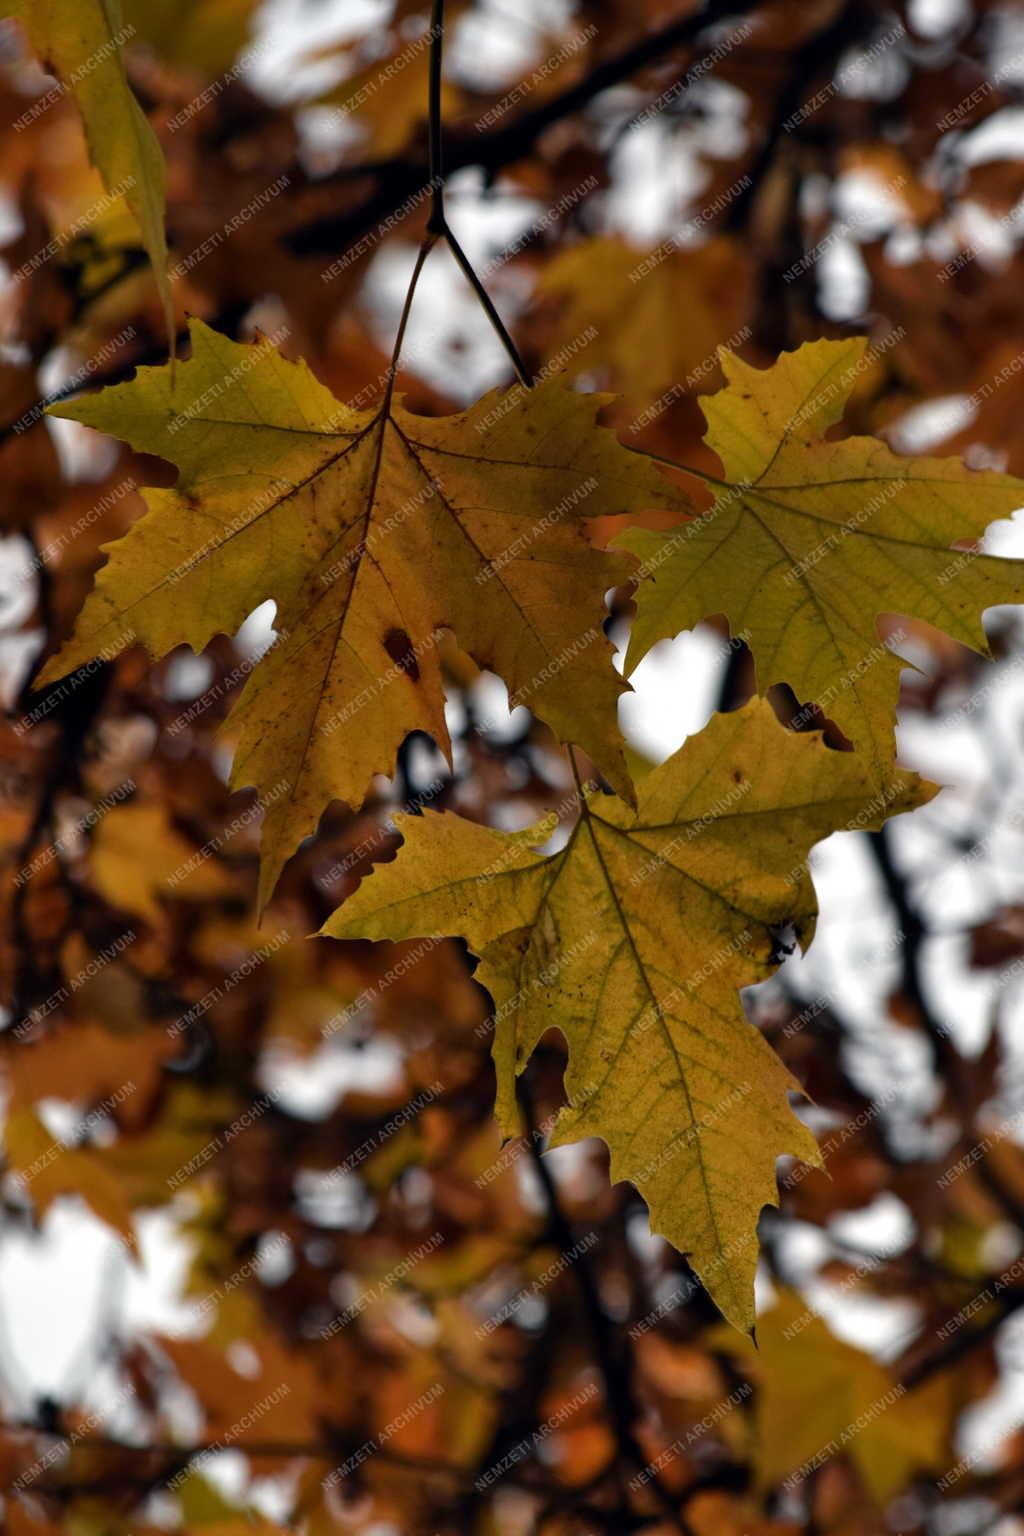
[
  {"x": 438, "y": 225},
  {"x": 435, "y": 117},
  {"x": 402, "y": 180}
]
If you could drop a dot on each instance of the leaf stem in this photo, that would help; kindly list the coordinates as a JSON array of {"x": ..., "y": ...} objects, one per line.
[
  {"x": 522, "y": 372},
  {"x": 421, "y": 257}
]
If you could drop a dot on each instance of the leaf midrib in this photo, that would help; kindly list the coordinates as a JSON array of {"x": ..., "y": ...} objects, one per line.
[{"x": 586, "y": 815}]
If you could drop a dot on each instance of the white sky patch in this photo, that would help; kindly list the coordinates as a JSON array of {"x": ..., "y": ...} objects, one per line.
[
  {"x": 153, "y": 1288},
  {"x": 275, "y": 1497},
  {"x": 82, "y": 453},
  {"x": 881, "y": 1325},
  {"x": 228, "y": 1472},
  {"x": 1006, "y": 36},
  {"x": 991, "y": 237},
  {"x": 926, "y": 425},
  {"x": 675, "y": 688},
  {"x": 325, "y": 138},
  {"x": 56, "y": 1294},
  {"x": 872, "y": 77},
  {"x": 333, "y": 1199},
  {"x": 11, "y": 224},
  {"x": 487, "y": 225},
  {"x": 650, "y": 186},
  {"x": 449, "y": 341},
  {"x": 999, "y": 137},
  {"x": 257, "y": 632},
  {"x": 18, "y": 582},
  {"x": 493, "y": 718},
  {"x": 495, "y": 46},
  {"x": 1006, "y": 538},
  {"x": 289, "y": 32},
  {"x": 719, "y": 128},
  {"x": 867, "y": 204},
  {"x": 853, "y": 965},
  {"x": 936, "y": 18},
  {"x": 961, "y": 998},
  {"x": 843, "y": 280},
  {"x": 187, "y": 676},
  {"x": 310, "y": 1086},
  {"x": 906, "y": 245},
  {"x": 883, "y": 1227},
  {"x": 984, "y": 1426},
  {"x": 17, "y": 653}
]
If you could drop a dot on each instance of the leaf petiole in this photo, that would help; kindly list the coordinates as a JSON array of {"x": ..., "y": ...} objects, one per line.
[{"x": 438, "y": 227}]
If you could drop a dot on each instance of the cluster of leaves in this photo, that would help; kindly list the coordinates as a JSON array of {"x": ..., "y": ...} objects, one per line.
[{"x": 409, "y": 549}]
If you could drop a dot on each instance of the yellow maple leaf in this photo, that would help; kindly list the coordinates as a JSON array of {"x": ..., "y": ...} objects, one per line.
[
  {"x": 387, "y": 99},
  {"x": 80, "y": 40},
  {"x": 626, "y": 302},
  {"x": 633, "y": 941},
  {"x": 205, "y": 37},
  {"x": 819, "y": 1397},
  {"x": 138, "y": 856},
  {"x": 809, "y": 541},
  {"x": 51, "y": 1167},
  {"x": 375, "y": 531}
]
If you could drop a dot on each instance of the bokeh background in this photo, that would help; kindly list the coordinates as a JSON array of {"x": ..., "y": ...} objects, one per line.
[{"x": 307, "y": 1135}]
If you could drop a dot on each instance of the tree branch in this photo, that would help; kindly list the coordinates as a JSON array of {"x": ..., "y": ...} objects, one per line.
[
  {"x": 402, "y": 180},
  {"x": 612, "y": 1351}
]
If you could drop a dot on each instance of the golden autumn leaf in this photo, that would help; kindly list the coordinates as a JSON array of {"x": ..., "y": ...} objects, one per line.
[
  {"x": 90, "y": 1064},
  {"x": 205, "y": 37},
  {"x": 810, "y": 540},
  {"x": 387, "y": 98},
  {"x": 633, "y": 940},
  {"x": 627, "y": 300},
  {"x": 819, "y": 1397},
  {"x": 138, "y": 857},
  {"x": 375, "y": 532},
  {"x": 181, "y": 1146},
  {"x": 50, "y": 1167},
  {"x": 80, "y": 41},
  {"x": 282, "y": 1379}
]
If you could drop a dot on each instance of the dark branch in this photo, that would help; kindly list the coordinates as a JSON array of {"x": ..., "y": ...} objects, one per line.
[{"x": 402, "y": 181}]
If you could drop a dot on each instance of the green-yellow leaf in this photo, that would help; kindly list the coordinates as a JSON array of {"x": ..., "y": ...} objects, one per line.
[
  {"x": 80, "y": 42},
  {"x": 387, "y": 102},
  {"x": 634, "y": 940},
  {"x": 206, "y": 37},
  {"x": 820, "y": 1398},
  {"x": 811, "y": 540},
  {"x": 374, "y": 531}
]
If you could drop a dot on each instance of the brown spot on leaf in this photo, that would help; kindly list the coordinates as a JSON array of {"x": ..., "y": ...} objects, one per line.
[{"x": 400, "y": 648}]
